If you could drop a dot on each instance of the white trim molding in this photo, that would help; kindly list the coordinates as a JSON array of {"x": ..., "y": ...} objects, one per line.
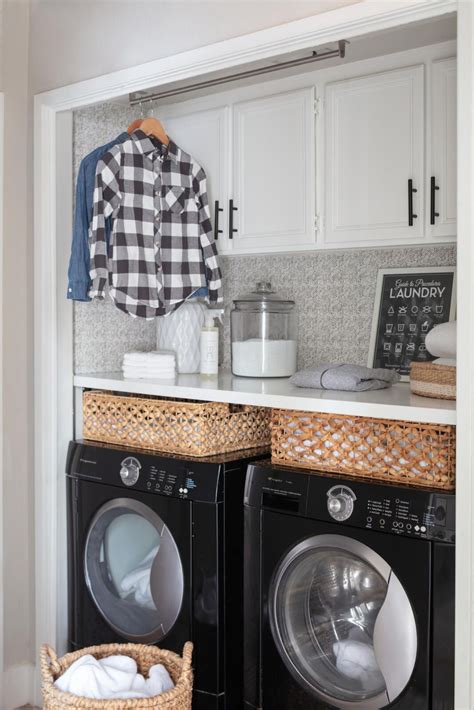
[
  {"x": 2, "y": 557},
  {"x": 465, "y": 373},
  {"x": 53, "y": 321},
  {"x": 18, "y": 686}
]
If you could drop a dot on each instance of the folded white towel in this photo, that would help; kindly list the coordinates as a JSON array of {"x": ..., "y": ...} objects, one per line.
[
  {"x": 153, "y": 357},
  {"x": 441, "y": 340},
  {"x": 149, "y": 368},
  {"x": 450, "y": 361},
  {"x": 113, "y": 677}
]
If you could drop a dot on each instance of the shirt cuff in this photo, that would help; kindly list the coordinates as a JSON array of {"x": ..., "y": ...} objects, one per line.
[
  {"x": 98, "y": 288},
  {"x": 215, "y": 295},
  {"x": 78, "y": 291}
]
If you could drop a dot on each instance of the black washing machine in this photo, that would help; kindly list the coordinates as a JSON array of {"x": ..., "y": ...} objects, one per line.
[
  {"x": 155, "y": 547},
  {"x": 349, "y": 593}
]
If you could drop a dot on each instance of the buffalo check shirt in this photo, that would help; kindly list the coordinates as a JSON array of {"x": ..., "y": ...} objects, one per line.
[{"x": 161, "y": 248}]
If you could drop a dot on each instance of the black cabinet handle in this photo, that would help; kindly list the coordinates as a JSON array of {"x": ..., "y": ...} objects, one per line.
[
  {"x": 433, "y": 213},
  {"x": 411, "y": 215},
  {"x": 217, "y": 209},
  {"x": 232, "y": 209}
]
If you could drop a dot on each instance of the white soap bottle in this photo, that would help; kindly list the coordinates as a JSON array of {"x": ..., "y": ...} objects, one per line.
[{"x": 210, "y": 343}]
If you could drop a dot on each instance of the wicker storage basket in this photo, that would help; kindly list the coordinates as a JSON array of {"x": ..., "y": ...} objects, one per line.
[
  {"x": 399, "y": 452},
  {"x": 431, "y": 380},
  {"x": 179, "y": 668},
  {"x": 191, "y": 428}
]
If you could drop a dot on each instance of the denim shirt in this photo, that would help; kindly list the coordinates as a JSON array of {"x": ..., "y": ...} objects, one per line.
[{"x": 79, "y": 264}]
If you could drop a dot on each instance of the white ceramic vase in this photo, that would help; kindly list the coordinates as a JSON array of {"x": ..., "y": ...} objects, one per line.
[{"x": 180, "y": 331}]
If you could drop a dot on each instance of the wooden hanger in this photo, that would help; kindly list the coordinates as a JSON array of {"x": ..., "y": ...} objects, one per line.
[
  {"x": 152, "y": 127},
  {"x": 133, "y": 126}
]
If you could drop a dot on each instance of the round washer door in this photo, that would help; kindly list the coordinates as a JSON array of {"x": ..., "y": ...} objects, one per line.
[
  {"x": 342, "y": 623},
  {"x": 133, "y": 570}
]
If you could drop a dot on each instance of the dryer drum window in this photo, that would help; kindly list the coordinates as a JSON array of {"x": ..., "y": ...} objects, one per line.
[
  {"x": 133, "y": 570},
  {"x": 340, "y": 617}
]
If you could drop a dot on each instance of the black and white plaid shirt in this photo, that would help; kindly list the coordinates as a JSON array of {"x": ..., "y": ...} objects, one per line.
[{"x": 161, "y": 248}]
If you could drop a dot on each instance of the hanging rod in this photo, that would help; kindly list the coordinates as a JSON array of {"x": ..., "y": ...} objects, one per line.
[{"x": 315, "y": 57}]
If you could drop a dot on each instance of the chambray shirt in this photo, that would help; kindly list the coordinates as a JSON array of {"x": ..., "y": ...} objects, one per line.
[{"x": 79, "y": 263}]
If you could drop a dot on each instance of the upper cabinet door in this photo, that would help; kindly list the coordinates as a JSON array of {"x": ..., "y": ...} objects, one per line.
[
  {"x": 442, "y": 201},
  {"x": 273, "y": 172},
  {"x": 205, "y": 136},
  {"x": 374, "y": 147}
]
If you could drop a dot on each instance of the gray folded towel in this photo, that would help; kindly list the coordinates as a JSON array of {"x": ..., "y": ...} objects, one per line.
[{"x": 352, "y": 378}]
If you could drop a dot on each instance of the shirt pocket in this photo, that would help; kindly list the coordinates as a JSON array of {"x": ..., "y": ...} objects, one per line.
[{"x": 176, "y": 199}]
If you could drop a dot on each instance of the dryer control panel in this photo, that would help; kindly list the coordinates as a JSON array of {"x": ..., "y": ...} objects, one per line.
[{"x": 398, "y": 510}]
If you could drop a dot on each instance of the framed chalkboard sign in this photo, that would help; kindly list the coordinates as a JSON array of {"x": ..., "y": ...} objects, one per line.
[{"x": 408, "y": 304}]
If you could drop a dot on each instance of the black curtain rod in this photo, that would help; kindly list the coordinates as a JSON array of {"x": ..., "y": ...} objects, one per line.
[{"x": 315, "y": 57}]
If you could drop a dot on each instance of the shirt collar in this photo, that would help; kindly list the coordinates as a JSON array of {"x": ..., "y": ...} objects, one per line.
[{"x": 146, "y": 146}]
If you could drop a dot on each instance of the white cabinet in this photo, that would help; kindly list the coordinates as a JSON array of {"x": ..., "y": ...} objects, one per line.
[
  {"x": 374, "y": 129},
  {"x": 442, "y": 177},
  {"x": 205, "y": 136},
  {"x": 273, "y": 172}
]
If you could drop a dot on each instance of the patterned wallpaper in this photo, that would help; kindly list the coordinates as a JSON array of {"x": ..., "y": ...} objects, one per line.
[{"x": 334, "y": 290}]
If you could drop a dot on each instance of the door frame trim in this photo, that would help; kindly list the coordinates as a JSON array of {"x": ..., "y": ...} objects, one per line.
[{"x": 53, "y": 363}]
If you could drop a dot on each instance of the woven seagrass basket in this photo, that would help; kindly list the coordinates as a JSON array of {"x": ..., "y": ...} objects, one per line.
[
  {"x": 182, "y": 427},
  {"x": 179, "y": 668},
  {"x": 389, "y": 450},
  {"x": 430, "y": 380}
]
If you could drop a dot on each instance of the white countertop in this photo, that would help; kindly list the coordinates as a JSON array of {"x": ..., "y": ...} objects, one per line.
[{"x": 396, "y": 402}]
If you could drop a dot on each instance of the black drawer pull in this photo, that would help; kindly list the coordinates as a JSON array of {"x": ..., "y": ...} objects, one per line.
[
  {"x": 232, "y": 209},
  {"x": 217, "y": 209},
  {"x": 433, "y": 213},
  {"x": 411, "y": 215}
]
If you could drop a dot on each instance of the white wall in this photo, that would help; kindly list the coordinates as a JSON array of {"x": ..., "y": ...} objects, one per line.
[
  {"x": 16, "y": 286},
  {"x": 47, "y": 44}
]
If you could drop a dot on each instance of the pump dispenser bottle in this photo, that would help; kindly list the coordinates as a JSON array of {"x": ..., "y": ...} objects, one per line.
[{"x": 210, "y": 343}]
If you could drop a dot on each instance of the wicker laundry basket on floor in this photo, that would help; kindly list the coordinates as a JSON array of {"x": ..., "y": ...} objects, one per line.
[{"x": 179, "y": 668}]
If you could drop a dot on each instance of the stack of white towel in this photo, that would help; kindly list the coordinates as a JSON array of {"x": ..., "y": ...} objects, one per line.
[
  {"x": 159, "y": 364},
  {"x": 113, "y": 677}
]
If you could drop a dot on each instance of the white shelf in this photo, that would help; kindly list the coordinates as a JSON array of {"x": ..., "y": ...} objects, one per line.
[{"x": 396, "y": 402}]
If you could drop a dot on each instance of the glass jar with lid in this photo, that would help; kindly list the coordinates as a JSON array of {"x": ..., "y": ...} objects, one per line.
[{"x": 263, "y": 334}]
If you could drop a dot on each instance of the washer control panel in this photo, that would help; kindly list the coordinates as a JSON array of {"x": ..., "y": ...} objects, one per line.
[
  {"x": 412, "y": 513},
  {"x": 340, "y": 502}
]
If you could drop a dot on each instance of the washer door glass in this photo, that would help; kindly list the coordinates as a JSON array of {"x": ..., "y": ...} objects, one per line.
[
  {"x": 133, "y": 570},
  {"x": 338, "y": 616}
]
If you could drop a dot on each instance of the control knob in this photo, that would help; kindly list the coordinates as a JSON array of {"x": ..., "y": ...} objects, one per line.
[
  {"x": 340, "y": 502},
  {"x": 130, "y": 471}
]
